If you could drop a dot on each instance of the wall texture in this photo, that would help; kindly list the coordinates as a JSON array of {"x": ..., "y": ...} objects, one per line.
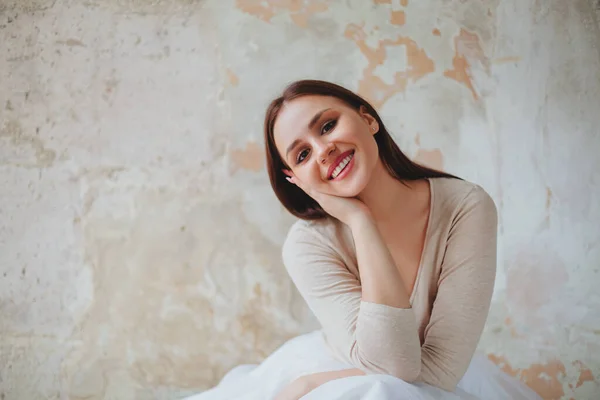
[{"x": 139, "y": 238}]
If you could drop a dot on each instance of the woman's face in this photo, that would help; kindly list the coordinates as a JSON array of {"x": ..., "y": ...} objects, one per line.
[{"x": 328, "y": 145}]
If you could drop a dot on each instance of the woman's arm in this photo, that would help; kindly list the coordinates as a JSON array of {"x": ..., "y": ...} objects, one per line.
[
  {"x": 465, "y": 288},
  {"x": 383, "y": 290},
  {"x": 381, "y": 281},
  {"x": 380, "y": 338},
  {"x": 372, "y": 340}
]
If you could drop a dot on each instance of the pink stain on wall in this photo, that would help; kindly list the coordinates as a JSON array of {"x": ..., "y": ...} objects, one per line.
[
  {"x": 398, "y": 18},
  {"x": 251, "y": 158},
  {"x": 300, "y": 11},
  {"x": 585, "y": 374},
  {"x": 545, "y": 379},
  {"x": 467, "y": 49},
  {"x": 549, "y": 379},
  {"x": 430, "y": 158},
  {"x": 232, "y": 78},
  {"x": 534, "y": 279},
  {"x": 372, "y": 86}
]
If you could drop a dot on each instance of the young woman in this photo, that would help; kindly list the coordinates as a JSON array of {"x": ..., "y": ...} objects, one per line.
[{"x": 397, "y": 262}]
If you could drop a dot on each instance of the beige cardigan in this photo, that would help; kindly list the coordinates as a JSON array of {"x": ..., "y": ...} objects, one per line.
[{"x": 450, "y": 299}]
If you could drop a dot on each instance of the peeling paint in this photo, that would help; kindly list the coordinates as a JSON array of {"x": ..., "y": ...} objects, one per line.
[
  {"x": 467, "y": 48},
  {"x": 549, "y": 379},
  {"x": 372, "y": 86},
  {"x": 545, "y": 379},
  {"x": 251, "y": 158},
  {"x": 140, "y": 240},
  {"x": 299, "y": 11},
  {"x": 430, "y": 158},
  {"x": 585, "y": 374},
  {"x": 398, "y": 18}
]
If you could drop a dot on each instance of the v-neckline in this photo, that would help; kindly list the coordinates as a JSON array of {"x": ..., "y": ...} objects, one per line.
[{"x": 425, "y": 242}]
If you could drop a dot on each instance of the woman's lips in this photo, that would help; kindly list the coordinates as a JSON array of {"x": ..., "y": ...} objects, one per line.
[{"x": 340, "y": 164}]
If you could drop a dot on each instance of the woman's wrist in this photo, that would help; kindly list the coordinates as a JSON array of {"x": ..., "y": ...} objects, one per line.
[{"x": 359, "y": 220}]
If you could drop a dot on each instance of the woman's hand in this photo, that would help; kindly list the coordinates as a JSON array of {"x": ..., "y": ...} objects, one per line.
[
  {"x": 308, "y": 383},
  {"x": 295, "y": 390},
  {"x": 346, "y": 209}
]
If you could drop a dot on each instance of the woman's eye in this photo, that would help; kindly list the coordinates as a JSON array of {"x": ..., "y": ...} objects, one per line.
[
  {"x": 303, "y": 154},
  {"x": 328, "y": 126}
]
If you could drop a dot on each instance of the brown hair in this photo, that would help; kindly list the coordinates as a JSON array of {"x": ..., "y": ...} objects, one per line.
[{"x": 294, "y": 199}]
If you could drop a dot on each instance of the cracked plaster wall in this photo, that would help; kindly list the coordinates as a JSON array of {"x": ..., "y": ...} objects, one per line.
[{"x": 140, "y": 241}]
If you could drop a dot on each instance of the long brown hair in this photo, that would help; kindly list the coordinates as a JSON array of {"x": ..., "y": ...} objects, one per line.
[{"x": 294, "y": 199}]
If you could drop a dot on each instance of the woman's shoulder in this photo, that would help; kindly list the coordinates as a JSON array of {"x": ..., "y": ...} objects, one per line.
[
  {"x": 326, "y": 236},
  {"x": 316, "y": 244},
  {"x": 455, "y": 195},
  {"x": 323, "y": 231}
]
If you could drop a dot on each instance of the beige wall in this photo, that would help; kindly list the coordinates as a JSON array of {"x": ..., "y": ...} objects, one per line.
[{"x": 140, "y": 240}]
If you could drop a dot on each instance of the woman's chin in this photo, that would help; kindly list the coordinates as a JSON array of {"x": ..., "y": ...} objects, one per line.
[
  {"x": 351, "y": 191},
  {"x": 349, "y": 187}
]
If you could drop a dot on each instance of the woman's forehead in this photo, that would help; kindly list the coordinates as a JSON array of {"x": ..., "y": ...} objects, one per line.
[{"x": 301, "y": 110}]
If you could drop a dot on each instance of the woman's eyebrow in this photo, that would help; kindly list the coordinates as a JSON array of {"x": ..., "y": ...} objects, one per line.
[
  {"x": 314, "y": 119},
  {"x": 291, "y": 147}
]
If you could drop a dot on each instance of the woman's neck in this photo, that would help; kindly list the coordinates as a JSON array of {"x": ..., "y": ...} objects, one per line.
[{"x": 385, "y": 195}]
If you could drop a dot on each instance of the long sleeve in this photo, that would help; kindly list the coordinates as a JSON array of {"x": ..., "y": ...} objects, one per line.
[
  {"x": 381, "y": 339},
  {"x": 373, "y": 337},
  {"x": 465, "y": 287}
]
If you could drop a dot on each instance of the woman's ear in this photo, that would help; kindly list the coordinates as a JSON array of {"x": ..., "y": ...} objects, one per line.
[
  {"x": 287, "y": 172},
  {"x": 369, "y": 119}
]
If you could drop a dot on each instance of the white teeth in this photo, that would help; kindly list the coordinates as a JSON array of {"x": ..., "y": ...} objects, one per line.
[{"x": 341, "y": 166}]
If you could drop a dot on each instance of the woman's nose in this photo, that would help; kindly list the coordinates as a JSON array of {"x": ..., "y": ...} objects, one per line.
[{"x": 325, "y": 150}]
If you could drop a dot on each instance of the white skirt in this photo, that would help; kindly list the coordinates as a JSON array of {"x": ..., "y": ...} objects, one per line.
[{"x": 308, "y": 353}]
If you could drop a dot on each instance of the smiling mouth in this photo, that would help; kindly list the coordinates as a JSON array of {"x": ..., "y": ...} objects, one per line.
[{"x": 342, "y": 164}]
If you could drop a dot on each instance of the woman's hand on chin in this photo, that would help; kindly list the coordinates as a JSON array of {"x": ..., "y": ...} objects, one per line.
[{"x": 345, "y": 209}]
